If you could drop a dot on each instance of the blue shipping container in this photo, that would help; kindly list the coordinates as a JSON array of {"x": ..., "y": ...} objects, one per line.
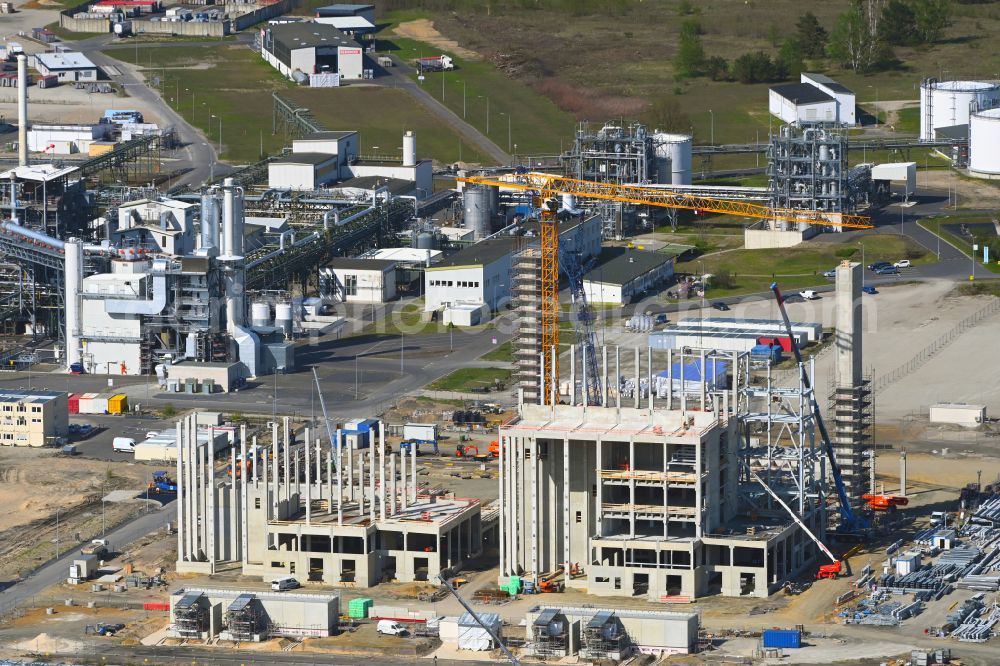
[{"x": 782, "y": 638}]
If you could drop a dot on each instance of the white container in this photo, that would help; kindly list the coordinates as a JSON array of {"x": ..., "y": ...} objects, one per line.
[{"x": 260, "y": 314}]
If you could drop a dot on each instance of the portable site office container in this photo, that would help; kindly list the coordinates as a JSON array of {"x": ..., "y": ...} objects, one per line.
[
  {"x": 118, "y": 404},
  {"x": 73, "y": 402},
  {"x": 782, "y": 638},
  {"x": 93, "y": 403}
]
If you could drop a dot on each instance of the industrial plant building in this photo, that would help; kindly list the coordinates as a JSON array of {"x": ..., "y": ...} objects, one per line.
[
  {"x": 66, "y": 66},
  {"x": 251, "y": 616},
  {"x": 299, "y": 50},
  {"x": 554, "y": 632},
  {"x": 477, "y": 275},
  {"x": 33, "y": 418},
  {"x": 623, "y": 275},
  {"x": 327, "y": 514},
  {"x": 798, "y": 103},
  {"x": 359, "y": 280}
]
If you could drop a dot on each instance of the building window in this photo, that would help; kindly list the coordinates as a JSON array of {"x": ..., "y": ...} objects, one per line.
[
  {"x": 579, "y": 516},
  {"x": 256, "y": 502},
  {"x": 351, "y": 285}
]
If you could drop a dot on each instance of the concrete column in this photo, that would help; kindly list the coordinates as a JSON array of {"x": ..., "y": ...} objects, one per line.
[
  {"x": 350, "y": 469},
  {"x": 599, "y": 499},
  {"x": 584, "y": 397},
  {"x": 404, "y": 499},
  {"x": 274, "y": 470},
  {"x": 265, "y": 502},
  {"x": 329, "y": 481},
  {"x": 255, "y": 455},
  {"x": 566, "y": 513},
  {"x": 181, "y": 493},
  {"x": 698, "y": 462},
  {"x": 197, "y": 487},
  {"x": 308, "y": 443},
  {"x": 666, "y": 490},
  {"x": 501, "y": 524},
  {"x": 340, "y": 479},
  {"x": 553, "y": 387},
  {"x": 381, "y": 471},
  {"x": 192, "y": 520},
  {"x": 319, "y": 464},
  {"x": 413, "y": 473},
  {"x": 234, "y": 539},
  {"x": 637, "y": 372},
  {"x": 631, "y": 485},
  {"x": 848, "y": 321},
  {"x": 392, "y": 484},
  {"x": 288, "y": 477},
  {"x": 536, "y": 510},
  {"x": 243, "y": 497},
  {"x": 371, "y": 481},
  {"x": 649, "y": 376},
  {"x": 902, "y": 473},
  {"x": 213, "y": 555},
  {"x": 702, "y": 384},
  {"x": 618, "y": 377},
  {"x": 604, "y": 378},
  {"x": 361, "y": 484},
  {"x": 670, "y": 378}
]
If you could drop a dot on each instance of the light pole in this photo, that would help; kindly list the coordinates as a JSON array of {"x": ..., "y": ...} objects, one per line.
[
  {"x": 711, "y": 116},
  {"x": 463, "y": 99},
  {"x": 355, "y": 376},
  {"x": 487, "y": 112},
  {"x": 192, "y": 102}
]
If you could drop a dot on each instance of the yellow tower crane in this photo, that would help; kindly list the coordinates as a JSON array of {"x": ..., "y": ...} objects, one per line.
[{"x": 548, "y": 186}]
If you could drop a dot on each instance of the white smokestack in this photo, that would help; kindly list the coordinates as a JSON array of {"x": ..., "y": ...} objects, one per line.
[
  {"x": 22, "y": 110},
  {"x": 228, "y": 217},
  {"x": 409, "y": 149},
  {"x": 74, "y": 279}
]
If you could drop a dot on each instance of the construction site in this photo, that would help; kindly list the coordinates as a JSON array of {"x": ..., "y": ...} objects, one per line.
[{"x": 584, "y": 455}]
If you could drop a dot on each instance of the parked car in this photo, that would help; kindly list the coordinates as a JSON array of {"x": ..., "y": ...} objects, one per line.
[
  {"x": 720, "y": 306},
  {"x": 832, "y": 273},
  {"x": 868, "y": 289},
  {"x": 123, "y": 445},
  {"x": 661, "y": 318},
  {"x": 887, "y": 270},
  {"x": 902, "y": 263},
  {"x": 809, "y": 295},
  {"x": 286, "y": 583},
  {"x": 877, "y": 265}
]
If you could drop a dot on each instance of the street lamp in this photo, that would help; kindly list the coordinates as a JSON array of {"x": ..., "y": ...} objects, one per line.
[
  {"x": 712, "y": 117},
  {"x": 463, "y": 99}
]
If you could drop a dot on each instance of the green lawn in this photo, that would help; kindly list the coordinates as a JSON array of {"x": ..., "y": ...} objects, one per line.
[
  {"x": 504, "y": 353},
  {"x": 477, "y": 90},
  {"x": 472, "y": 379},
  {"x": 232, "y": 83},
  {"x": 385, "y": 113},
  {"x": 755, "y": 270},
  {"x": 938, "y": 226}
]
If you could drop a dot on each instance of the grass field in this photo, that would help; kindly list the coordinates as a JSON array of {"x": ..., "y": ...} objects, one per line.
[
  {"x": 600, "y": 65},
  {"x": 504, "y": 353},
  {"x": 475, "y": 90},
  {"x": 470, "y": 379},
  {"x": 232, "y": 83},
  {"x": 755, "y": 270}
]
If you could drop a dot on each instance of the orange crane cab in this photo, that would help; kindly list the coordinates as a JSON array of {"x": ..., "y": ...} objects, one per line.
[
  {"x": 885, "y": 502},
  {"x": 495, "y": 448}
]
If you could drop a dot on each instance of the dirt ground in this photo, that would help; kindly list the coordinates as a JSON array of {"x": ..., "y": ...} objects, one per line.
[
  {"x": 983, "y": 193},
  {"x": 423, "y": 30},
  {"x": 35, "y": 484}
]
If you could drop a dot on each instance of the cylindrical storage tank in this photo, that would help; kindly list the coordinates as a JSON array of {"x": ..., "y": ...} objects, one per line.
[
  {"x": 984, "y": 144},
  {"x": 260, "y": 314},
  {"x": 424, "y": 241},
  {"x": 478, "y": 207},
  {"x": 409, "y": 149},
  {"x": 283, "y": 317},
  {"x": 673, "y": 158},
  {"x": 73, "y": 284},
  {"x": 209, "y": 221},
  {"x": 946, "y": 103}
]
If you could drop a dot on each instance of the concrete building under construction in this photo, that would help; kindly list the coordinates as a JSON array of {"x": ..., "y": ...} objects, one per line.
[{"x": 319, "y": 513}]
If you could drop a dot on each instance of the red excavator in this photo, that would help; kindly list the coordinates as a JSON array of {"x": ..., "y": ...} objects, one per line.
[{"x": 885, "y": 502}]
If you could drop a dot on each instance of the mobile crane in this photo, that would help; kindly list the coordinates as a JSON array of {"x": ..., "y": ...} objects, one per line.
[{"x": 850, "y": 522}]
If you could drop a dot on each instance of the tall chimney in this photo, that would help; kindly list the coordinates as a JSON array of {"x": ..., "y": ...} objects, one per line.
[
  {"x": 409, "y": 149},
  {"x": 22, "y": 110}
]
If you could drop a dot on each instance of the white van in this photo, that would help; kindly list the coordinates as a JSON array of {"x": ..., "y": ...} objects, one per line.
[
  {"x": 286, "y": 583},
  {"x": 123, "y": 445},
  {"x": 390, "y": 628}
]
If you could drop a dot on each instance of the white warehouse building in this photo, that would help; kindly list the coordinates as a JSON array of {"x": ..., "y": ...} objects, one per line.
[
  {"x": 797, "y": 103},
  {"x": 312, "y": 48},
  {"x": 360, "y": 280},
  {"x": 624, "y": 275},
  {"x": 479, "y": 274},
  {"x": 844, "y": 97}
]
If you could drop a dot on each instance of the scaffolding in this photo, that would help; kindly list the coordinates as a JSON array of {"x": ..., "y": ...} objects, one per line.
[
  {"x": 550, "y": 635},
  {"x": 245, "y": 618},
  {"x": 526, "y": 291},
  {"x": 851, "y": 435},
  {"x": 604, "y": 638},
  {"x": 190, "y": 616}
]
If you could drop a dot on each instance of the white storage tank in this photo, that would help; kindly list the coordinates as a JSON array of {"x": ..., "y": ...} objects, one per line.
[
  {"x": 673, "y": 158},
  {"x": 283, "y": 317},
  {"x": 409, "y": 149},
  {"x": 260, "y": 314},
  {"x": 946, "y": 103},
  {"x": 479, "y": 209},
  {"x": 984, "y": 143}
]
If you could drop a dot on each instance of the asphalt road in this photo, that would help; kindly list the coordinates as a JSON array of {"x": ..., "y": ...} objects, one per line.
[
  {"x": 196, "y": 156},
  {"x": 58, "y": 569}
]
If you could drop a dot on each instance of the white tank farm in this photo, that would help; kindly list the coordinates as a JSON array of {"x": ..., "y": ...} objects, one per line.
[
  {"x": 984, "y": 143},
  {"x": 946, "y": 103},
  {"x": 673, "y": 158}
]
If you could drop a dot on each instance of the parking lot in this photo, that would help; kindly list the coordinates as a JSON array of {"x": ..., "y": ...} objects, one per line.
[{"x": 98, "y": 444}]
